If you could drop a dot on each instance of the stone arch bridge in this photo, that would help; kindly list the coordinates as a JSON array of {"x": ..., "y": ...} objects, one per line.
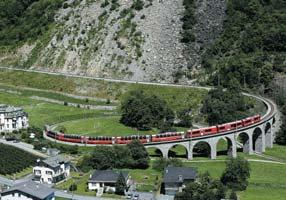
[{"x": 252, "y": 139}]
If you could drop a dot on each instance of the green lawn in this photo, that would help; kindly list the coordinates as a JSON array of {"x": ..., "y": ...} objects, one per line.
[
  {"x": 30, "y": 92},
  {"x": 263, "y": 193},
  {"x": 41, "y": 113},
  {"x": 266, "y": 177},
  {"x": 146, "y": 180},
  {"x": 101, "y": 126},
  {"x": 80, "y": 181},
  {"x": 104, "y": 126},
  {"x": 278, "y": 151},
  {"x": 177, "y": 97},
  {"x": 60, "y": 198}
]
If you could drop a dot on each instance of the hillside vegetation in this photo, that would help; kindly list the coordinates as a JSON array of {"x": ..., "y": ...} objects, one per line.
[
  {"x": 26, "y": 20},
  {"x": 252, "y": 45}
]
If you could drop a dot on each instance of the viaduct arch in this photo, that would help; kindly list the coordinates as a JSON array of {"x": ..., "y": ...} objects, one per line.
[{"x": 253, "y": 138}]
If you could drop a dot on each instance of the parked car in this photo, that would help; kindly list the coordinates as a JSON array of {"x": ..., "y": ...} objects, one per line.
[
  {"x": 129, "y": 196},
  {"x": 136, "y": 197}
]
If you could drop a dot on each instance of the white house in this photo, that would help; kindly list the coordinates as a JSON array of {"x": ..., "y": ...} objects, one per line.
[
  {"x": 28, "y": 191},
  {"x": 52, "y": 170},
  {"x": 12, "y": 118},
  {"x": 105, "y": 180}
]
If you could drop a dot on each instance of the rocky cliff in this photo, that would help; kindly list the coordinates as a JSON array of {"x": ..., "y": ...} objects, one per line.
[{"x": 128, "y": 39}]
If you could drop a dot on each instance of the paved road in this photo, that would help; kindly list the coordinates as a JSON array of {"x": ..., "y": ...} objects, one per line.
[
  {"x": 103, "y": 79},
  {"x": 24, "y": 146}
]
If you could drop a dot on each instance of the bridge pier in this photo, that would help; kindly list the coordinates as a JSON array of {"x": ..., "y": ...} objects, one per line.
[
  {"x": 213, "y": 150},
  {"x": 231, "y": 146},
  {"x": 268, "y": 135}
]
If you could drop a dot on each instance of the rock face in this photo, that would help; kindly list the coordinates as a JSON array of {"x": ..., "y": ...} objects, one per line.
[
  {"x": 119, "y": 40},
  {"x": 210, "y": 15}
]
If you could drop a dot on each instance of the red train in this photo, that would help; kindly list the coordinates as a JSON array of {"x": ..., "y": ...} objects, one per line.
[
  {"x": 169, "y": 136},
  {"x": 162, "y": 137}
]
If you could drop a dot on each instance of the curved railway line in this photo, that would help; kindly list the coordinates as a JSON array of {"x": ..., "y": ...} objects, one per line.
[{"x": 263, "y": 128}]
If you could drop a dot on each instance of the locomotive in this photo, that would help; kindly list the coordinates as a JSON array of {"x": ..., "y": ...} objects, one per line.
[{"x": 162, "y": 137}]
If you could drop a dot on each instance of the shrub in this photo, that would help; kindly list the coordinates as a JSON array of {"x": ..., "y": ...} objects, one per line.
[
  {"x": 138, "y": 4},
  {"x": 73, "y": 187}
]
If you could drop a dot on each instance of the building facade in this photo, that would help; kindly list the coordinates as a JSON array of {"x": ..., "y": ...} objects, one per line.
[
  {"x": 175, "y": 179},
  {"x": 28, "y": 191},
  {"x": 12, "y": 118},
  {"x": 105, "y": 180},
  {"x": 52, "y": 170}
]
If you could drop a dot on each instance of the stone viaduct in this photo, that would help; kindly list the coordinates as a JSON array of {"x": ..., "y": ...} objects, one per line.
[{"x": 252, "y": 139}]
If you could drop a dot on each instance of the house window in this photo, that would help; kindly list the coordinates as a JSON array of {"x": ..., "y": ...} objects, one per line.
[
  {"x": 49, "y": 173},
  {"x": 19, "y": 195}
]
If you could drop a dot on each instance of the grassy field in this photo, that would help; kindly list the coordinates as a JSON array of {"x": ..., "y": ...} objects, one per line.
[
  {"x": 266, "y": 177},
  {"x": 56, "y": 95},
  {"x": 24, "y": 85},
  {"x": 146, "y": 180},
  {"x": 41, "y": 113},
  {"x": 109, "y": 126},
  {"x": 60, "y": 198},
  {"x": 101, "y": 126},
  {"x": 80, "y": 181},
  {"x": 177, "y": 98},
  {"x": 278, "y": 151}
]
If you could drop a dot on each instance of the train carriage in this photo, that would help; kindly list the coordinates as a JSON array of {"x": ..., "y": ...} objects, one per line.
[
  {"x": 230, "y": 126},
  {"x": 170, "y": 136},
  {"x": 127, "y": 139},
  {"x": 100, "y": 140}
]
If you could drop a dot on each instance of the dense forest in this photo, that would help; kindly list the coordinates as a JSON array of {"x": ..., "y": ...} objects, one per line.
[
  {"x": 252, "y": 46},
  {"x": 14, "y": 160},
  {"x": 25, "y": 20}
]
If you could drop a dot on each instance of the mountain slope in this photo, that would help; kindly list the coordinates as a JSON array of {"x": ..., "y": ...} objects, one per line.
[{"x": 129, "y": 39}]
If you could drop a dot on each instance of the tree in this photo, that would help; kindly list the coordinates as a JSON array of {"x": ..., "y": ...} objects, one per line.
[
  {"x": 143, "y": 111},
  {"x": 204, "y": 188},
  {"x": 185, "y": 118},
  {"x": 233, "y": 195},
  {"x": 161, "y": 163},
  {"x": 123, "y": 157},
  {"x": 120, "y": 185},
  {"x": 236, "y": 174},
  {"x": 133, "y": 155},
  {"x": 281, "y": 134},
  {"x": 139, "y": 154},
  {"x": 73, "y": 187},
  {"x": 224, "y": 106}
]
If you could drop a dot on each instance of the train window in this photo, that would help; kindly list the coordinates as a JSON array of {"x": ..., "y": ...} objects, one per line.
[
  {"x": 208, "y": 130},
  {"x": 196, "y": 132},
  {"x": 233, "y": 125},
  {"x": 221, "y": 128}
]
